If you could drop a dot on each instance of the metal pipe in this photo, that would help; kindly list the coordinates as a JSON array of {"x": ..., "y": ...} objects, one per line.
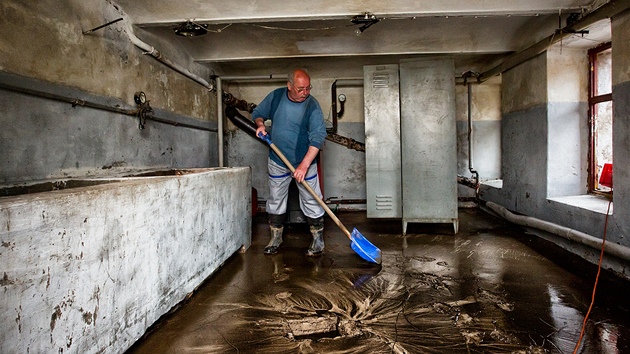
[
  {"x": 83, "y": 103},
  {"x": 472, "y": 170},
  {"x": 254, "y": 77},
  {"x": 606, "y": 11},
  {"x": 612, "y": 249},
  {"x": 333, "y": 98},
  {"x": 246, "y": 125},
  {"x": 333, "y": 94},
  {"x": 345, "y": 201},
  {"x": 148, "y": 49},
  {"x": 219, "y": 88},
  {"x": 220, "y": 119}
]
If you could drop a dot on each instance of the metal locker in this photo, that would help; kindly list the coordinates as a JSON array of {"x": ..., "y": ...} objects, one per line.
[
  {"x": 382, "y": 141},
  {"x": 428, "y": 141}
]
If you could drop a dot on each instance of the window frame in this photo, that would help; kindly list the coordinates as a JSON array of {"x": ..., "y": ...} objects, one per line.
[{"x": 593, "y": 100}]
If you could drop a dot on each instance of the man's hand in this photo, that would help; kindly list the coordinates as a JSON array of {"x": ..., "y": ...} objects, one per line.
[
  {"x": 302, "y": 169},
  {"x": 261, "y": 127},
  {"x": 300, "y": 172}
]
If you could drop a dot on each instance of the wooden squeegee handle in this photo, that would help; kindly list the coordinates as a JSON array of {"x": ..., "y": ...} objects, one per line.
[{"x": 310, "y": 190}]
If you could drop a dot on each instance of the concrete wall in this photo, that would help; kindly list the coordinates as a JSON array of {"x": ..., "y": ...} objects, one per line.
[
  {"x": 44, "y": 49},
  {"x": 88, "y": 270},
  {"x": 621, "y": 126},
  {"x": 486, "y": 128},
  {"x": 567, "y": 168},
  {"x": 545, "y": 145}
]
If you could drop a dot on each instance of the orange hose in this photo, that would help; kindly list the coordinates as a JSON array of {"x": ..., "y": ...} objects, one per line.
[{"x": 599, "y": 268}]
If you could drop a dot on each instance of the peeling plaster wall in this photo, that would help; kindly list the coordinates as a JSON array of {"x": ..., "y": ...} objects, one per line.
[
  {"x": 44, "y": 40},
  {"x": 88, "y": 271},
  {"x": 621, "y": 124},
  {"x": 523, "y": 136},
  {"x": 545, "y": 142},
  {"x": 486, "y": 126},
  {"x": 567, "y": 170},
  {"x": 43, "y": 48}
]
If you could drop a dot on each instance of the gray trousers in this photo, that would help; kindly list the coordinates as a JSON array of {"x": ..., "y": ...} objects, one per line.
[{"x": 279, "y": 180}]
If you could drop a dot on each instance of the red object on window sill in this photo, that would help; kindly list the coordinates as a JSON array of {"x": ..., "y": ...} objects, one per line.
[{"x": 606, "y": 177}]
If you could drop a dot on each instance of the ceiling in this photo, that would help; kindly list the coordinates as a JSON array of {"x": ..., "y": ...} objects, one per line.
[{"x": 269, "y": 34}]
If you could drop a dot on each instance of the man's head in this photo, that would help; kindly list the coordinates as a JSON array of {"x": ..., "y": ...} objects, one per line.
[{"x": 299, "y": 85}]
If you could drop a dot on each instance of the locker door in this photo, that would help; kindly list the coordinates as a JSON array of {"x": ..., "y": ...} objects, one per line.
[
  {"x": 428, "y": 141},
  {"x": 382, "y": 141}
]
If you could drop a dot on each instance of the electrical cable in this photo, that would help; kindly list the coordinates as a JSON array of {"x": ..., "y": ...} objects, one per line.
[
  {"x": 599, "y": 268},
  {"x": 296, "y": 29}
]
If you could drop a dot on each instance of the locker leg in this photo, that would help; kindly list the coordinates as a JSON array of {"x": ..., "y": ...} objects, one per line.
[
  {"x": 456, "y": 225},
  {"x": 404, "y": 227}
]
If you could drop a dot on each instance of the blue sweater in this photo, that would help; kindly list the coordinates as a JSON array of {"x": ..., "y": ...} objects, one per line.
[{"x": 295, "y": 125}]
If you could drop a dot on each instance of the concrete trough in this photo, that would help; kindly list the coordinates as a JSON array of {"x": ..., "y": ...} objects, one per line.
[{"x": 87, "y": 265}]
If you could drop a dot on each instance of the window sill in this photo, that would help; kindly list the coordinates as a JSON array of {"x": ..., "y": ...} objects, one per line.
[
  {"x": 591, "y": 202},
  {"x": 496, "y": 183}
]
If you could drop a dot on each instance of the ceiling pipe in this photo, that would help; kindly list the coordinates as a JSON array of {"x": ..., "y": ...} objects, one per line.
[
  {"x": 606, "y": 11},
  {"x": 255, "y": 78},
  {"x": 612, "y": 249},
  {"x": 150, "y": 50}
]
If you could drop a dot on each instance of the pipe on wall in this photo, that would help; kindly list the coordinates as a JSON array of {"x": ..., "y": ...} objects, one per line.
[
  {"x": 76, "y": 102},
  {"x": 333, "y": 93},
  {"x": 219, "y": 83},
  {"x": 220, "y": 119},
  {"x": 150, "y": 50},
  {"x": 610, "y": 9},
  {"x": 612, "y": 249},
  {"x": 467, "y": 75}
]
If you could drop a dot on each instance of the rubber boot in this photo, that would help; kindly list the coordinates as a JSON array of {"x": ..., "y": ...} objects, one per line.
[
  {"x": 276, "y": 240},
  {"x": 276, "y": 225},
  {"x": 317, "y": 231}
]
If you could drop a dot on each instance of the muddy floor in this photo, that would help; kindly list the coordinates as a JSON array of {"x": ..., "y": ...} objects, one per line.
[{"x": 492, "y": 288}]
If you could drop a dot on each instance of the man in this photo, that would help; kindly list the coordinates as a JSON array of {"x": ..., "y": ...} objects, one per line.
[{"x": 298, "y": 130}]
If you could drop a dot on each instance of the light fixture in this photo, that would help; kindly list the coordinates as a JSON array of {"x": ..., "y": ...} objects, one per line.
[
  {"x": 366, "y": 20},
  {"x": 191, "y": 29}
]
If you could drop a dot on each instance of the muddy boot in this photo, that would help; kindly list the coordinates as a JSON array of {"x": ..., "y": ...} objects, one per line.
[
  {"x": 317, "y": 230},
  {"x": 276, "y": 225}
]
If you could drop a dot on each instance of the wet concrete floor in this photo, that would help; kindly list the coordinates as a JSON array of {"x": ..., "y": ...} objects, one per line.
[{"x": 492, "y": 288}]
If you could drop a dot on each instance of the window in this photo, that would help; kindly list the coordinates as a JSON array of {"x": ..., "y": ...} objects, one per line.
[{"x": 600, "y": 119}]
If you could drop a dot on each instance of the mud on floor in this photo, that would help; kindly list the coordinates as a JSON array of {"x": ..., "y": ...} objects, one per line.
[{"x": 480, "y": 291}]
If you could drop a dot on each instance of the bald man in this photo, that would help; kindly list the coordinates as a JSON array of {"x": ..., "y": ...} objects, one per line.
[{"x": 299, "y": 131}]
